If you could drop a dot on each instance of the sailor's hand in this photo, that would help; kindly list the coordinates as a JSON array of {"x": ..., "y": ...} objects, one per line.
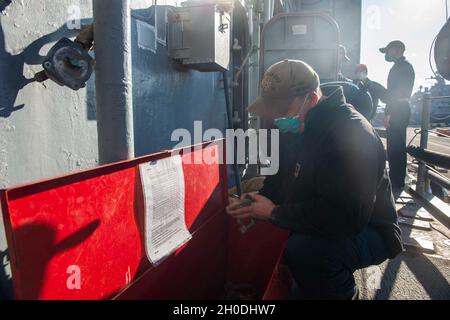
[
  {"x": 261, "y": 208},
  {"x": 232, "y": 200},
  {"x": 235, "y": 203}
]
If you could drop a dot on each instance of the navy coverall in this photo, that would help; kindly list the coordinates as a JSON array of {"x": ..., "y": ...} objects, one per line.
[{"x": 399, "y": 89}]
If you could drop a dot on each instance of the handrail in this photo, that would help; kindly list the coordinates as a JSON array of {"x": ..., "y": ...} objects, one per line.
[
  {"x": 423, "y": 183},
  {"x": 431, "y": 157},
  {"x": 440, "y": 97},
  {"x": 426, "y": 157}
]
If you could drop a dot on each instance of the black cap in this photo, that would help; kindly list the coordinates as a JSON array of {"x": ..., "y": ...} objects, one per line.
[{"x": 393, "y": 44}]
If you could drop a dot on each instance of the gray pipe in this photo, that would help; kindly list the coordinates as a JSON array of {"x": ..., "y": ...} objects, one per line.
[
  {"x": 439, "y": 180},
  {"x": 254, "y": 28},
  {"x": 268, "y": 10},
  {"x": 113, "y": 82}
]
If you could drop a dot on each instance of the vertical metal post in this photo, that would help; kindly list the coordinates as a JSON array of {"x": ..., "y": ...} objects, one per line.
[
  {"x": 253, "y": 78},
  {"x": 423, "y": 183},
  {"x": 236, "y": 172},
  {"x": 255, "y": 10},
  {"x": 268, "y": 10},
  {"x": 113, "y": 81}
]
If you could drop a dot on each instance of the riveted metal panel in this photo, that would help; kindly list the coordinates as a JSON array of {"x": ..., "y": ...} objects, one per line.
[{"x": 311, "y": 36}]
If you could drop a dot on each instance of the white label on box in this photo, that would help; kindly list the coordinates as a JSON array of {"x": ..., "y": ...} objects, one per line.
[{"x": 299, "y": 29}]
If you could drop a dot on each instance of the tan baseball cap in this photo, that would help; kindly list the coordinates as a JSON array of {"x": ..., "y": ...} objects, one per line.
[{"x": 282, "y": 82}]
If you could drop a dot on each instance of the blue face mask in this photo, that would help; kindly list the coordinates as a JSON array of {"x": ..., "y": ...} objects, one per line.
[
  {"x": 289, "y": 124},
  {"x": 389, "y": 58}
]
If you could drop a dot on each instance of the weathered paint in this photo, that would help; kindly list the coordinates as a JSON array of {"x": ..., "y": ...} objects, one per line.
[
  {"x": 347, "y": 14},
  {"x": 113, "y": 85},
  {"x": 44, "y": 130},
  {"x": 50, "y": 130},
  {"x": 167, "y": 96}
]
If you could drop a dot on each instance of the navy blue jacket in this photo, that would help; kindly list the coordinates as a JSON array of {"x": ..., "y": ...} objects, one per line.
[
  {"x": 400, "y": 84},
  {"x": 332, "y": 181}
]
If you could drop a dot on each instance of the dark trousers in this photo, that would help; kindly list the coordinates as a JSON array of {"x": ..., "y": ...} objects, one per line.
[
  {"x": 396, "y": 143},
  {"x": 323, "y": 269}
]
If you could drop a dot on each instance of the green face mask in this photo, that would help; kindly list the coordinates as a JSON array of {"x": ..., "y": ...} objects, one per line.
[
  {"x": 389, "y": 58},
  {"x": 289, "y": 124}
]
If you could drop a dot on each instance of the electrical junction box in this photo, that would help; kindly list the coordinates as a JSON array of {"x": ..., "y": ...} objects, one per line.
[{"x": 199, "y": 35}]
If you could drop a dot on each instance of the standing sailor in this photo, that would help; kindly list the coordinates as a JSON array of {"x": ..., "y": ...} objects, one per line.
[
  {"x": 376, "y": 90},
  {"x": 397, "y": 113}
]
